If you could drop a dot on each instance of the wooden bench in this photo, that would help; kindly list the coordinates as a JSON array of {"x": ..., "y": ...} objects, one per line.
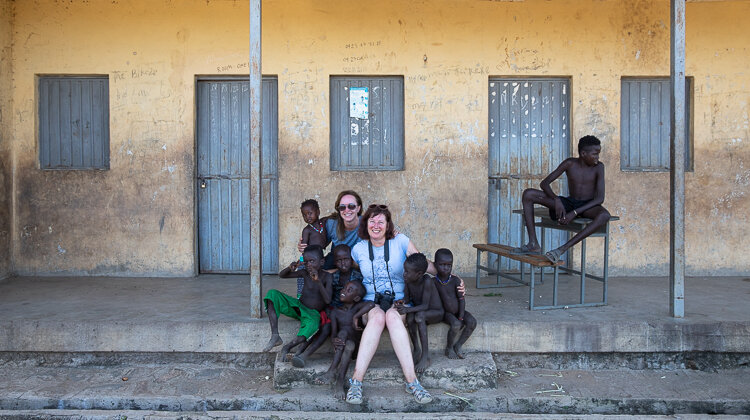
[
  {"x": 576, "y": 225},
  {"x": 503, "y": 251}
]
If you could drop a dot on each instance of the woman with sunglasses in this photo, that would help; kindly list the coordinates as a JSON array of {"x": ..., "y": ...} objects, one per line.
[
  {"x": 381, "y": 255},
  {"x": 342, "y": 224}
]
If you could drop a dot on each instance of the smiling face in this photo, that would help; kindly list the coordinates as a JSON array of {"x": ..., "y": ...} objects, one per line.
[
  {"x": 342, "y": 260},
  {"x": 444, "y": 266},
  {"x": 310, "y": 214},
  {"x": 376, "y": 227},
  {"x": 349, "y": 214},
  {"x": 351, "y": 293},
  {"x": 411, "y": 273}
]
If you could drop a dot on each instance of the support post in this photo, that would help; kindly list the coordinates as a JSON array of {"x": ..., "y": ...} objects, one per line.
[
  {"x": 255, "y": 160},
  {"x": 677, "y": 161}
]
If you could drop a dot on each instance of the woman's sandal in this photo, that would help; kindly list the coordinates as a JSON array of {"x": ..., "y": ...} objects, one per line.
[
  {"x": 354, "y": 394},
  {"x": 420, "y": 394}
]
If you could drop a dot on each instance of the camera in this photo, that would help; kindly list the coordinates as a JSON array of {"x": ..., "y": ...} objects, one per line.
[{"x": 385, "y": 299}]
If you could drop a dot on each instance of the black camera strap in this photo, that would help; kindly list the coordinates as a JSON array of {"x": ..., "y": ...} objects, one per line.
[{"x": 386, "y": 257}]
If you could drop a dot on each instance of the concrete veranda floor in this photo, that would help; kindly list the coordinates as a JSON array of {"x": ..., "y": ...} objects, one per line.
[{"x": 211, "y": 313}]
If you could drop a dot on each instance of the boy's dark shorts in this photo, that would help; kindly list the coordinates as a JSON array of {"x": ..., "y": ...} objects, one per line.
[{"x": 569, "y": 203}]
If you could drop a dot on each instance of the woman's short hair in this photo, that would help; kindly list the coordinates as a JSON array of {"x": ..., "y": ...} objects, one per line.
[{"x": 372, "y": 211}]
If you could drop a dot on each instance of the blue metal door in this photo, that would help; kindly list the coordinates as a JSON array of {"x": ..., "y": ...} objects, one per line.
[
  {"x": 224, "y": 176},
  {"x": 529, "y": 136}
]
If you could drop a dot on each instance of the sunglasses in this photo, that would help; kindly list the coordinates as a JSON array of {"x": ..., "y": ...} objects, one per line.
[
  {"x": 350, "y": 206},
  {"x": 378, "y": 206}
]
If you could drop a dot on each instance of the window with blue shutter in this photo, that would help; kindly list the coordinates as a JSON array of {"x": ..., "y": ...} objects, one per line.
[
  {"x": 73, "y": 122},
  {"x": 644, "y": 124}
]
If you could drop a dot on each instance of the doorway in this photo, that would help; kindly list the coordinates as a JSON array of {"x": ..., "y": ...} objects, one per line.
[
  {"x": 529, "y": 135},
  {"x": 223, "y": 175}
]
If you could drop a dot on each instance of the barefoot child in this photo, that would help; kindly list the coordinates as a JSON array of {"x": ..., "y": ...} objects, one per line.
[
  {"x": 345, "y": 337},
  {"x": 586, "y": 184},
  {"x": 454, "y": 304},
  {"x": 420, "y": 291},
  {"x": 344, "y": 274},
  {"x": 312, "y": 234},
  {"x": 315, "y": 297}
]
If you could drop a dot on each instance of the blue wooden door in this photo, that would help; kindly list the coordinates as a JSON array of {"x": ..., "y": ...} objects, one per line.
[
  {"x": 529, "y": 135},
  {"x": 224, "y": 176}
]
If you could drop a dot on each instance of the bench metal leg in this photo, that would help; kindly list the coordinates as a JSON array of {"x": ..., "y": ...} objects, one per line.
[
  {"x": 583, "y": 271},
  {"x": 479, "y": 261},
  {"x": 531, "y": 287},
  {"x": 554, "y": 287},
  {"x": 606, "y": 263},
  {"x": 541, "y": 244},
  {"x": 498, "y": 260}
]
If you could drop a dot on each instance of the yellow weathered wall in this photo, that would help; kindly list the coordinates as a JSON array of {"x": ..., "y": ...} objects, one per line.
[
  {"x": 6, "y": 83},
  {"x": 109, "y": 222}
]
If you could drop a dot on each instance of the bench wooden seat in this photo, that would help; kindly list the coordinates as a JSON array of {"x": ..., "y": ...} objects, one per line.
[
  {"x": 537, "y": 260},
  {"x": 534, "y": 260}
]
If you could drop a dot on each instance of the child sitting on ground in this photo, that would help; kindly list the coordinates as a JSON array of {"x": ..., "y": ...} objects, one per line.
[
  {"x": 345, "y": 336},
  {"x": 454, "y": 304},
  {"x": 312, "y": 234},
  {"x": 343, "y": 275},
  {"x": 311, "y": 305},
  {"x": 426, "y": 308}
]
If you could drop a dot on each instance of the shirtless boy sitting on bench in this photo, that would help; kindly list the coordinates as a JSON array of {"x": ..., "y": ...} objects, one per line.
[{"x": 586, "y": 184}]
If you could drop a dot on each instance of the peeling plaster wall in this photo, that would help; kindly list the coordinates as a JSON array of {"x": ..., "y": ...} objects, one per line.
[
  {"x": 6, "y": 112},
  {"x": 138, "y": 217},
  {"x": 440, "y": 198}
]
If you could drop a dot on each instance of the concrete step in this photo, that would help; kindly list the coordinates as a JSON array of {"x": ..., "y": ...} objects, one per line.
[
  {"x": 303, "y": 415},
  {"x": 204, "y": 387},
  {"x": 476, "y": 371}
]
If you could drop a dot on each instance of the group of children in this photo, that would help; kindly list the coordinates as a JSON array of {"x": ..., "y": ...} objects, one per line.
[{"x": 329, "y": 304}]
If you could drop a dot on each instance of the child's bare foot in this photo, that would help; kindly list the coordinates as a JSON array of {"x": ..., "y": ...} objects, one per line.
[
  {"x": 422, "y": 365},
  {"x": 339, "y": 393},
  {"x": 324, "y": 379},
  {"x": 285, "y": 351},
  {"x": 450, "y": 352},
  {"x": 458, "y": 351},
  {"x": 298, "y": 361},
  {"x": 273, "y": 342}
]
